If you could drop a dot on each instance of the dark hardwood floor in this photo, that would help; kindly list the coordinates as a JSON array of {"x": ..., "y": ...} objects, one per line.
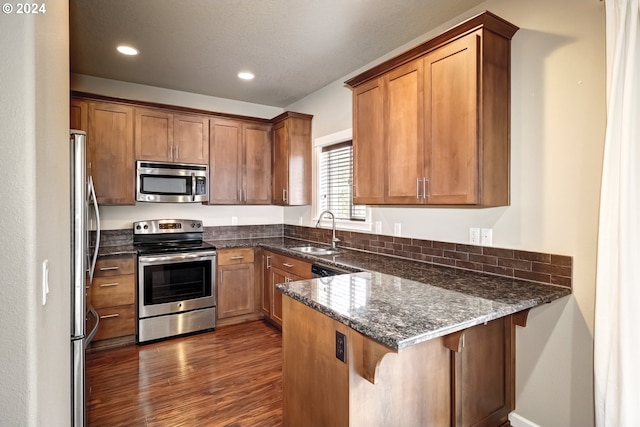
[{"x": 228, "y": 377}]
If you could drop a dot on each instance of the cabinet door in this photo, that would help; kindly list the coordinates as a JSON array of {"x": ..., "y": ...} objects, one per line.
[
  {"x": 404, "y": 135},
  {"x": 267, "y": 286},
  {"x": 277, "y": 276},
  {"x": 78, "y": 115},
  {"x": 154, "y": 135},
  {"x": 235, "y": 290},
  {"x": 110, "y": 138},
  {"x": 280, "y": 164},
  {"x": 225, "y": 163},
  {"x": 257, "y": 164},
  {"x": 190, "y": 139},
  {"x": 369, "y": 163},
  {"x": 483, "y": 376},
  {"x": 451, "y": 114}
]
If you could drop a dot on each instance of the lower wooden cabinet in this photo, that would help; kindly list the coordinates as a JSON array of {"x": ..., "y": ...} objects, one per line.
[
  {"x": 113, "y": 295},
  {"x": 465, "y": 379},
  {"x": 279, "y": 268},
  {"x": 238, "y": 292}
]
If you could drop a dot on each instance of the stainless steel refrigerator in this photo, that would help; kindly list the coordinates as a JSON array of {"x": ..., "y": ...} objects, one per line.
[{"x": 83, "y": 262}]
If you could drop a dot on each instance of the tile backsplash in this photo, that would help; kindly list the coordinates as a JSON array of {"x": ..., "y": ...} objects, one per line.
[{"x": 532, "y": 266}]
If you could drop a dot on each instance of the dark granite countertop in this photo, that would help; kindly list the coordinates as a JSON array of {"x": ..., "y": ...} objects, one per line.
[{"x": 396, "y": 301}]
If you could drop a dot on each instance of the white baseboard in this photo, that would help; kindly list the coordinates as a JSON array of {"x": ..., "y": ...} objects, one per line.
[{"x": 519, "y": 421}]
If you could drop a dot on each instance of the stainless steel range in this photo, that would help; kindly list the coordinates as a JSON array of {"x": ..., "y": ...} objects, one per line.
[{"x": 176, "y": 278}]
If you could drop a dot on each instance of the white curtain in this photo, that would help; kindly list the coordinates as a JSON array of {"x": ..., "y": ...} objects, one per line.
[{"x": 617, "y": 319}]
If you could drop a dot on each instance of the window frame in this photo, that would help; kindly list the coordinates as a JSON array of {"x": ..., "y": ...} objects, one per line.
[{"x": 318, "y": 144}]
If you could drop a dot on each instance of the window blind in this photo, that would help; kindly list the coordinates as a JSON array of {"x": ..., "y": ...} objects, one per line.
[{"x": 336, "y": 182}]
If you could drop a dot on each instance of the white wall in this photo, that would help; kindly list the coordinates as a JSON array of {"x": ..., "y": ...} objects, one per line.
[
  {"x": 119, "y": 217},
  {"x": 34, "y": 218},
  {"x": 558, "y": 120}
]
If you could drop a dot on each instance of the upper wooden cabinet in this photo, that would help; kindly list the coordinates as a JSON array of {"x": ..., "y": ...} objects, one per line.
[
  {"x": 432, "y": 125},
  {"x": 165, "y": 136},
  {"x": 291, "y": 159},
  {"x": 110, "y": 150},
  {"x": 240, "y": 162},
  {"x": 78, "y": 116}
]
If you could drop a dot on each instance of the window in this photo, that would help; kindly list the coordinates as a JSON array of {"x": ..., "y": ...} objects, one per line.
[{"x": 335, "y": 182}]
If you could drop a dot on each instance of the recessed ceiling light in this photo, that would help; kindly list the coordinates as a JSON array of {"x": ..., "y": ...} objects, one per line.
[
  {"x": 245, "y": 75},
  {"x": 127, "y": 50}
]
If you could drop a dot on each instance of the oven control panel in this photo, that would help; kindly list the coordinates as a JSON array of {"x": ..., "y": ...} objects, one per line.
[{"x": 161, "y": 226}]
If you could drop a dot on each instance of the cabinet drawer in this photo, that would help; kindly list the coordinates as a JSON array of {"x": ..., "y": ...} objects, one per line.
[
  {"x": 113, "y": 290},
  {"x": 115, "y": 266},
  {"x": 116, "y": 322},
  {"x": 291, "y": 265},
  {"x": 235, "y": 256}
]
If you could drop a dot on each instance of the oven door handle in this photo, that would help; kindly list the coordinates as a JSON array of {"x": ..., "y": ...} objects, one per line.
[{"x": 199, "y": 256}]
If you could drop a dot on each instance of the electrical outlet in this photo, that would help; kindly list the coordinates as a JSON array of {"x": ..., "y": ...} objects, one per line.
[
  {"x": 486, "y": 236},
  {"x": 378, "y": 227},
  {"x": 474, "y": 235},
  {"x": 234, "y": 220},
  {"x": 341, "y": 347}
]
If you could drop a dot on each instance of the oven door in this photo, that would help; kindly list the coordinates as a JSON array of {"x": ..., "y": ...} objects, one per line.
[{"x": 176, "y": 282}]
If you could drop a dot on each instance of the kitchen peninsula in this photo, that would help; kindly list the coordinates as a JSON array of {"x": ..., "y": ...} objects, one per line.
[{"x": 371, "y": 349}]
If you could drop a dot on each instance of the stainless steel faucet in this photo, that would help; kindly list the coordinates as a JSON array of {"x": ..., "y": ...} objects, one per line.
[{"x": 333, "y": 226}]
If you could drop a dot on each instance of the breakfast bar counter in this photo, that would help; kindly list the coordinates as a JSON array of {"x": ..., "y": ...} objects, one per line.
[{"x": 372, "y": 349}]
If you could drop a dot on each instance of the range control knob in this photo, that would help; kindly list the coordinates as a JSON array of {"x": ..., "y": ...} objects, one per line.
[
  {"x": 138, "y": 227},
  {"x": 193, "y": 225},
  {"x": 146, "y": 227}
]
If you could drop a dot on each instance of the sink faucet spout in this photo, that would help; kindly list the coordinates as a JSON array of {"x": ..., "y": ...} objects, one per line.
[{"x": 333, "y": 226}]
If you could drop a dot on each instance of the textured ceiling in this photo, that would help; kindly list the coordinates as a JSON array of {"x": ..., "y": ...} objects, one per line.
[{"x": 294, "y": 47}]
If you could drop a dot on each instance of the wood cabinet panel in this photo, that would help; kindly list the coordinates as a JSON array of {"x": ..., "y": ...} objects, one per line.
[
  {"x": 168, "y": 137},
  {"x": 291, "y": 161},
  {"x": 115, "y": 266},
  {"x": 116, "y": 322},
  {"x": 483, "y": 375},
  {"x": 110, "y": 143},
  {"x": 225, "y": 163},
  {"x": 369, "y": 161},
  {"x": 451, "y": 76},
  {"x": 279, "y": 268},
  {"x": 235, "y": 290},
  {"x": 191, "y": 139},
  {"x": 78, "y": 116},
  {"x": 443, "y": 109},
  {"x": 404, "y": 134},
  {"x": 111, "y": 291},
  {"x": 154, "y": 135},
  {"x": 240, "y": 163},
  {"x": 113, "y": 295},
  {"x": 257, "y": 163}
]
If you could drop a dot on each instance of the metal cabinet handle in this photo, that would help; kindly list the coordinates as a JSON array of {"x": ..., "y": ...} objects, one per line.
[
  {"x": 109, "y": 316},
  {"x": 237, "y": 257},
  {"x": 425, "y": 181},
  {"x": 268, "y": 262},
  {"x": 284, "y": 194},
  {"x": 417, "y": 188},
  {"x": 106, "y": 285},
  {"x": 170, "y": 153},
  {"x": 286, "y": 264},
  {"x": 109, "y": 268}
]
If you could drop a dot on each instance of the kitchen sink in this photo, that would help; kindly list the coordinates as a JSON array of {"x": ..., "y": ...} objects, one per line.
[{"x": 315, "y": 250}]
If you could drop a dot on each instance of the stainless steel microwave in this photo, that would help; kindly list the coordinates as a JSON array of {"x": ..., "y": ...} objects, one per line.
[{"x": 171, "y": 182}]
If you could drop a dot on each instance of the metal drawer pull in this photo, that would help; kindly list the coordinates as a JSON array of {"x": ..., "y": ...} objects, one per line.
[
  {"x": 109, "y": 268},
  {"x": 286, "y": 264},
  {"x": 237, "y": 257},
  {"x": 109, "y": 316},
  {"x": 106, "y": 285}
]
